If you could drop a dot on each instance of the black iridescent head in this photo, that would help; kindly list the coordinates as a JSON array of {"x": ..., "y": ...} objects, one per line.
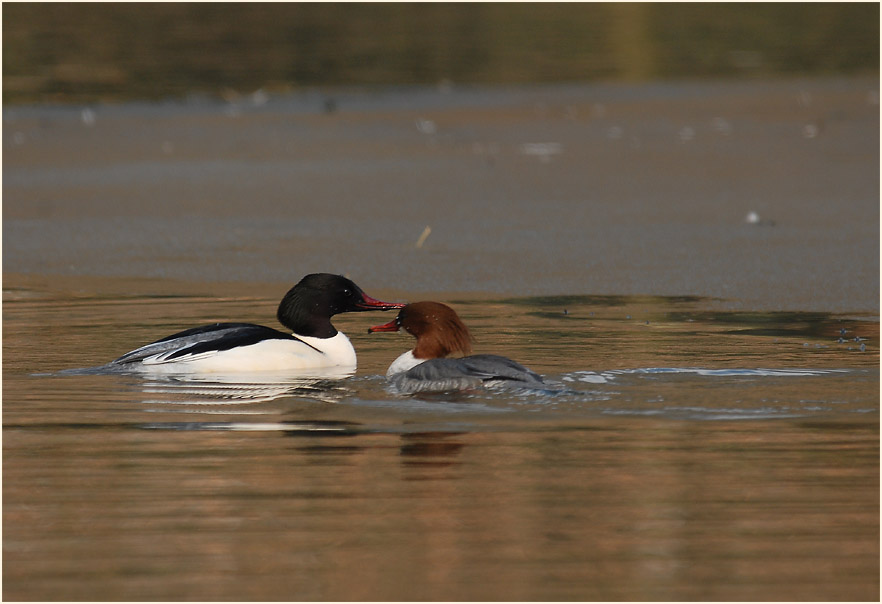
[{"x": 308, "y": 306}]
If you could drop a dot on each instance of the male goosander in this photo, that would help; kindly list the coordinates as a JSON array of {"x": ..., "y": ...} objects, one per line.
[
  {"x": 237, "y": 348},
  {"x": 439, "y": 331}
]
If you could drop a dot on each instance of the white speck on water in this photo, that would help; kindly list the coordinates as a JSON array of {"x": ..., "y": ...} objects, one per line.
[
  {"x": 259, "y": 97},
  {"x": 426, "y": 126},
  {"x": 87, "y": 116},
  {"x": 722, "y": 126},
  {"x": 752, "y": 218},
  {"x": 810, "y": 131},
  {"x": 542, "y": 151},
  {"x": 686, "y": 134}
]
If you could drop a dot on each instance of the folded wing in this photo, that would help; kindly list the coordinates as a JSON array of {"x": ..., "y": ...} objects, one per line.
[{"x": 202, "y": 341}]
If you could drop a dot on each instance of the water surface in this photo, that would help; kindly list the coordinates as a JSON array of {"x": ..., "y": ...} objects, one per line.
[
  {"x": 528, "y": 190},
  {"x": 685, "y": 453}
]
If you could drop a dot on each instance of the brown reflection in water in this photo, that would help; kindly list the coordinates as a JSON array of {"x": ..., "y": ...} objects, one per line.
[
  {"x": 430, "y": 449},
  {"x": 612, "y": 510}
]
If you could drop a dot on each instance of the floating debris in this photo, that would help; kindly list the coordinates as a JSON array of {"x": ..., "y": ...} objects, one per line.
[
  {"x": 426, "y": 232},
  {"x": 686, "y": 134},
  {"x": 259, "y": 97},
  {"x": 804, "y": 98},
  {"x": 810, "y": 131},
  {"x": 426, "y": 126},
  {"x": 615, "y": 133},
  {"x": 543, "y": 151},
  {"x": 753, "y": 217},
  {"x": 722, "y": 125},
  {"x": 87, "y": 116}
]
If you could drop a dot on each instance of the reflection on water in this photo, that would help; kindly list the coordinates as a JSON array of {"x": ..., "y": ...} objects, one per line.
[
  {"x": 686, "y": 454},
  {"x": 201, "y": 392}
]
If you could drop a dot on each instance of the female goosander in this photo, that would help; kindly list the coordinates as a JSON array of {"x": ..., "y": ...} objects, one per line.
[
  {"x": 439, "y": 331},
  {"x": 237, "y": 348}
]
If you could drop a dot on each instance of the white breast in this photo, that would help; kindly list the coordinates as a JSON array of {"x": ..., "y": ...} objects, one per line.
[{"x": 403, "y": 363}]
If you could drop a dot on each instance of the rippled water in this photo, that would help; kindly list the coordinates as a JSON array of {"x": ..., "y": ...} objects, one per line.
[{"x": 682, "y": 452}]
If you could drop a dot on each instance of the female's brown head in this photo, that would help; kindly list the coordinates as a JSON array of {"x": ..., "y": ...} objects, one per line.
[{"x": 438, "y": 329}]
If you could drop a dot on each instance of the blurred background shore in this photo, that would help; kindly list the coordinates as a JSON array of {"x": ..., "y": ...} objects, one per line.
[
  {"x": 720, "y": 150},
  {"x": 71, "y": 52}
]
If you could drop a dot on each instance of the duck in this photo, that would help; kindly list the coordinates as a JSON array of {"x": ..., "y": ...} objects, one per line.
[
  {"x": 314, "y": 346},
  {"x": 439, "y": 332}
]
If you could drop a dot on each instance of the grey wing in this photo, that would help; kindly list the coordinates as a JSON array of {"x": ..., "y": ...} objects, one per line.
[
  {"x": 491, "y": 366},
  {"x": 436, "y": 375},
  {"x": 469, "y": 372}
]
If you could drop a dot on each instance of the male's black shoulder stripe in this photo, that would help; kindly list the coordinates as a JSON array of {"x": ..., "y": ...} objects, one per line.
[
  {"x": 195, "y": 331},
  {"x": 215, "y": 337},
  {"x": 236, "y": 335}
]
